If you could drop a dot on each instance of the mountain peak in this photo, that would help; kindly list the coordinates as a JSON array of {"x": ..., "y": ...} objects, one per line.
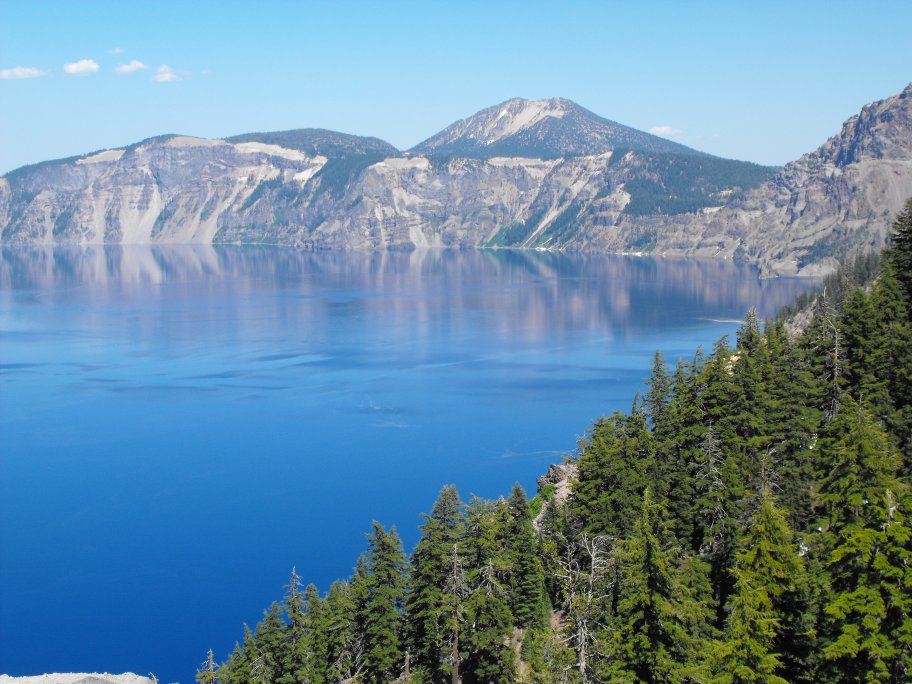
[{"x": 549, "y": 128}]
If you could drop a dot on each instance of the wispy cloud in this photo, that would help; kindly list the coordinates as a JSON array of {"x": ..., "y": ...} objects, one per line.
[
  {"x": 130, "y": 67},
  {"x": 83, "y": 66},
  {"x": 116, "y": 51},
  {"x": 164, "y": 74},
  {"x": 666, "y": 131},
  {"x": 19, "y": 72}
]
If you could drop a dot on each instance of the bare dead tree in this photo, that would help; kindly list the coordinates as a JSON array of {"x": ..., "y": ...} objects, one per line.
[
  {"x": 711, "y": 488},
  {"x": 458, "y": 588},
  {"x": 586, "y": 570}
]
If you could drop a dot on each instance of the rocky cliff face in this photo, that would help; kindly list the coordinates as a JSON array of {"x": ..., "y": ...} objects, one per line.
[
  {"x": 828, "y": 204},
  {"x": 536, "y": 174}
]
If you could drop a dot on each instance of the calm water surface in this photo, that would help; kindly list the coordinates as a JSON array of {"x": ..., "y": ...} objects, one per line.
[{"x": 180, "y": 426}]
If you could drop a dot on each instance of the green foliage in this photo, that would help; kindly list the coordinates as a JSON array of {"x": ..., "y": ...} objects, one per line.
[
  {"x": 537, "y": 502},
  {"x": 768, "y": 606},
  {"x": 867, "y": 553},
  {"x": 615, "y": 466},
  {"x": 337, "y": 174},
  {"x": 746, "y": 522},
  {"x": 516, "y": 233},
  {"x": 679, "y": 184},
  {"x": 318, "y": 141},
  {"x": 436, "y": 586},
  {"x": 382, "y": 619}
]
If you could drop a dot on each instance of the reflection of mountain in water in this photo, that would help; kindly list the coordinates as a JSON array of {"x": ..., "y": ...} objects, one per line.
[{"x": 528, "y": 291}]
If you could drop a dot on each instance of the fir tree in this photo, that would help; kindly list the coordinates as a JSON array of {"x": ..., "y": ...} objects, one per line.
[
  {"x": 296, "y": 654},
  {"x": 867, "y": 552},
  {"x": 615, "y": 465},
  {"x": 768, "y": 605},
  {"x": 339, "y": 630},
  {"x": 207, "y": 673},
  {"x": 429, "y": 606},
  {"x": 652, "y": 640},
  {"x": 488, "y": 655},
  {"x": 528, "y": 600},
  {"x": 383, "y": 650},
  {"x": 900, "y": 252},
  {"x": 270, "y": 640}
]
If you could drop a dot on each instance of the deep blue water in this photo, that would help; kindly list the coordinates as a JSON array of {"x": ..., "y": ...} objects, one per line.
[{"x": 181, "y": 426}]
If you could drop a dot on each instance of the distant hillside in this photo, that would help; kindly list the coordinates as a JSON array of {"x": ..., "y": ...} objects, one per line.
[
  {"x": 546, "y": 129},
  {"x": 544, "y": 174},
  {"x": 318, "y": 141}
]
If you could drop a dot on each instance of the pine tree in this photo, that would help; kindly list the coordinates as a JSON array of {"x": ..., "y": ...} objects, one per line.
[
  {"x": 679, "y": 440},
  {"x": 528, "y": 600},
  {"x": 383, "y": 649},
  {"x": 488, "y": 655},
  {"x": 296, "y": 654},
  {"x": 238, "y": 668},
  {"x": 900, "y": 252},
  {"x": 270, "y": 639},
  {"x": 615, "y": 466},
  {"x": 659, "y": 394},
  {"x": 429, "y": 607},
  {"x": 339, "y": 630},
  {"x": 652, "y": 640},
  {"x": 207, "y": 673},
  {"x": 769, "y": 604},
  {"x": 867, "y": 552},
  {"x": 793, "y": 423}
]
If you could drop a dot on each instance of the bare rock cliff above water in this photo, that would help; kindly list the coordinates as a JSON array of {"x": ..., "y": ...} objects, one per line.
[{"x": 535, "y": 174}]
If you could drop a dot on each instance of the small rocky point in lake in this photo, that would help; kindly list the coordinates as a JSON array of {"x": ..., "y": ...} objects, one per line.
[{"x": 79, "y": 678}]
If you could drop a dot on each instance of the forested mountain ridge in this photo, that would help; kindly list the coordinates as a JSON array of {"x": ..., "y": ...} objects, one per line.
[
  {"x": 542, "y": 174},
  {"x": 746, "y": 521}
]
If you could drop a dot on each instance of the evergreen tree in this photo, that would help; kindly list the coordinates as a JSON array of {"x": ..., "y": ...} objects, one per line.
[
  {"x": 488, "y": 655},
  {"x": 430, "y": 608},
  {"x": 768, "y": 638},
  {"x": 383, "y": 652},
  {"x": 296, "y": 654},
  {"x": 270, "y": 640},
  {"x": 793, "y": 423},
  {"x": 867, "y": 552},
  {"x": 679, "y": 440},
  {"x": 659, "y": 394},
  {"x": 899, "y": 255},
  {"x": 238, "y": 668},
  {"x": 528, "y": 600},
  {"x": 616, "y": 464},
  {"x": 652, "y": 640},
  {"x": 339, "y": 630},
  {"x": 207, "y": 673}
]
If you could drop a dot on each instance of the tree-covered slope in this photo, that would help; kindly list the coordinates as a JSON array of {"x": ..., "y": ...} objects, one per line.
[{"x": 747, "y": 521}]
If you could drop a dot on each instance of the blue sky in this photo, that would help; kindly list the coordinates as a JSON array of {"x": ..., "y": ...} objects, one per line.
[{"x": 764, "y": 81}]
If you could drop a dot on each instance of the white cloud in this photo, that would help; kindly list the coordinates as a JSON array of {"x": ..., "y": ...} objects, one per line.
[
  {"x": 116, "y": 51},
  {"x": 666, "y": 131},
  {"x": 130, "y": 67},
  {"x": 18, "y": 72},
  {"x": 164, "y": 74},
  {"x": 83, "y": 66}
]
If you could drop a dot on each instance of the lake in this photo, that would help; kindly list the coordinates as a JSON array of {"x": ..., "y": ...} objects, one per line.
[{"x": 180, "y": 426}]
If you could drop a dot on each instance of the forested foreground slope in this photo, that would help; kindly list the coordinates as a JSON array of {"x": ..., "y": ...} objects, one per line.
[{"x": 745, "y": 522}]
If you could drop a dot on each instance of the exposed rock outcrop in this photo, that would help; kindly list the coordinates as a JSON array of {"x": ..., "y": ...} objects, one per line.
[
  {"x": 542, "y": 174},
  {"x": 78, "y": 678}
]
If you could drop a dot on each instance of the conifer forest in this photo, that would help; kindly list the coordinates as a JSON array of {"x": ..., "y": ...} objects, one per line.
[{"x": 745, "y": 522}]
